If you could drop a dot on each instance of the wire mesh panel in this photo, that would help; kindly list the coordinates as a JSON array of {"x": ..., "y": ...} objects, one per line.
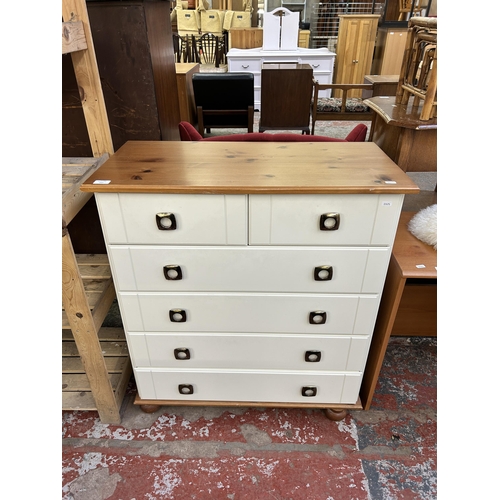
[{"x": 325, "y": 20}]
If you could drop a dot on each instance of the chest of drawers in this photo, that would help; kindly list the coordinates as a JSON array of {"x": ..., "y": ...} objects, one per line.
[
  {"x": 250, "y": 60},
  {"x": 249, "y": 274}
]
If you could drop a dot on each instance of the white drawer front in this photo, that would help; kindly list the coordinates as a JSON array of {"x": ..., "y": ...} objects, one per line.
[
  {"x": 242, "y": 312},
  {"x": 249, "y": 351},
  {"x": 252, "y": 269},
  {"x": 199, "y": 219},
  {"x": 244, "y": 65},
  {"x": 318, "y": 64},
  {"x": 251, "y": 386},
  {"x": 295, "y": 220}
]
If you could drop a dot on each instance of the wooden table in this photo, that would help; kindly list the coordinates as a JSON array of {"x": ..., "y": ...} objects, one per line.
[
  {"x": 406, "y": 308},
  {"x": 399, "y": 132}
]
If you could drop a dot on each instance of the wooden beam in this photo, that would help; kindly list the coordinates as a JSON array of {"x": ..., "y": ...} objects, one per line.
[
  {"x": 73, "y": 37},
  {"x": 89, "y": 83},
  {"x": 84, "y": 330}
]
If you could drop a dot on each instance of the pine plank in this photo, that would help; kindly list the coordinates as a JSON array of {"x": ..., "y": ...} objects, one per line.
[
  {"x": 92, "y": 259},
  {"x": 85, "y": 324},
  {"x": 72, "y": 161},
  {"x": 78, "y": 401},
  {"x": 105, "y": 333},
  {"x": 80, "y": 381},
  {"x": 73, "y": 37},
  {"x": 94, "y": 272},
  {"x": 107, "y": 348},
  {"x": 113, "y": 364},
  {"x": 87, "y": 77},
  {"x": 74, "y": 172}
]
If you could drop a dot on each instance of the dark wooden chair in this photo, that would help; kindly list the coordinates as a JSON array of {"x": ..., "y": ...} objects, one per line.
[
  {"x": 344, "y": 108},
  {"x": 211, "y": 49},
  {"x": 224, "y": 100},
  {"x": 185, "y": 49}
]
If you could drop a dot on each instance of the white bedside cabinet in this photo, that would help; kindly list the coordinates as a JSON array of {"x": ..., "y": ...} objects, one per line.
[{"x": 249, "y": 273}]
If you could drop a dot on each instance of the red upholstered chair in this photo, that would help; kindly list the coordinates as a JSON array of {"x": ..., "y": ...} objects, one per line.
[{"x": 189, "y": 133}]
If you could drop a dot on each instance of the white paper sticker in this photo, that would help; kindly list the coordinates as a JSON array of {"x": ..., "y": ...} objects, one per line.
[
  {"x": 390, "y": 182},
  {"x": 420, "y": 266},
  {"x": 101, "y": 182}
]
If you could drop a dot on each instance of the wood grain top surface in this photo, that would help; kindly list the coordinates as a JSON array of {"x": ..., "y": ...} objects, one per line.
[
  {"x": 411, "y": 253},
  {"x": 405, "y": 116},
  {"x": 250, "y": 168}
]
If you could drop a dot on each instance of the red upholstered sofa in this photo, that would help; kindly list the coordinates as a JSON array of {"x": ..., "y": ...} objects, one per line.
[{"x": 189, "y": 133}]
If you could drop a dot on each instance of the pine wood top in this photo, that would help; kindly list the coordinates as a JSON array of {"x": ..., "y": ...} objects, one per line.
[
  {"x": 411, "y": 253},
  {"x": 250, "y": 168}
]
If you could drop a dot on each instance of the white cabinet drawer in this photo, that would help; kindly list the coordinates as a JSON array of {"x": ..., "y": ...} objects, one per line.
[
  {"x": 318, "y": 64},
  {"x": 252, "y": 269},
  {"x": 295, "y": 220},
  {"x": 244, "y": 65},
  {"x": 249, "y": 351},
  {"x": 251, "y": 386},
  {"x": 244, "y": 312},
  {"x": 198, "y": 219}
]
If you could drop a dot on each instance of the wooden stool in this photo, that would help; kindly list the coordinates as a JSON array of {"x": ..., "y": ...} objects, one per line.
[{"x": 409, "y": 301}]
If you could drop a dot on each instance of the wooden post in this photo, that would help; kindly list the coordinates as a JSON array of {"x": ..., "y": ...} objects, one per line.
[
  {"x": 84, "y": 328},
  {"x": 89, "y": 83}
]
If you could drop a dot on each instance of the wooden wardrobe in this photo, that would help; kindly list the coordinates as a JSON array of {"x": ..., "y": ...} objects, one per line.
[{"x": 355, "y": 47}]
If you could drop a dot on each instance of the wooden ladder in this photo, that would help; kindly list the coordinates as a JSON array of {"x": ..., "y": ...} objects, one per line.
[{"x": 96, "y": 364}]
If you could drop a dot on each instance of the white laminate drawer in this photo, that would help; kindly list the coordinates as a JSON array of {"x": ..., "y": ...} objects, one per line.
[
  {"x": 249, "y": 268},
  {"x": 244, "y": 65},
  {"x": 317, "y": 64},
  {"x": 199, "y": 219},
  {"x": 243, "y": 312},
  {"x": 251, "y": 386},
  {"x": 249, "y": 351},
  {"x": 364, "y": 219}
]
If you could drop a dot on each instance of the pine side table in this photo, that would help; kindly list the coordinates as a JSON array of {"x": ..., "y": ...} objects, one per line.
[{"x": 412, "y": 261}]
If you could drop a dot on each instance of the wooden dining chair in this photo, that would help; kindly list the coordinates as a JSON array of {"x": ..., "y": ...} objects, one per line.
[
  {"x": 209, "y": 49},
  {"x": 344, "y": 108},
  {"x": 184, "y": 48}
]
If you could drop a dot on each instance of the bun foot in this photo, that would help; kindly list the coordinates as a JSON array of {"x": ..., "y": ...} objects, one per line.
[
  {"x": 335, "y": 415},
  {"x": 150, "y": 408}
]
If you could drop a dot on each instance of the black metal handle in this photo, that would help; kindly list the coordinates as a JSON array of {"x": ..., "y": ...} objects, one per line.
[
  {"x": 172, "y": 272},
  {"x": 329, "y": 221},
  {"x": 186, "y": 389},
  {"x": 177, "y": 315},
  {"x": 313, "y": 356},
  {"x": 317, "y": 317},
  {"x": 323, "y": 273},
  {"x": 309, "y": 391},
  {"x": 182, "y": 353},
  {"x": 166, "y": 221}
]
